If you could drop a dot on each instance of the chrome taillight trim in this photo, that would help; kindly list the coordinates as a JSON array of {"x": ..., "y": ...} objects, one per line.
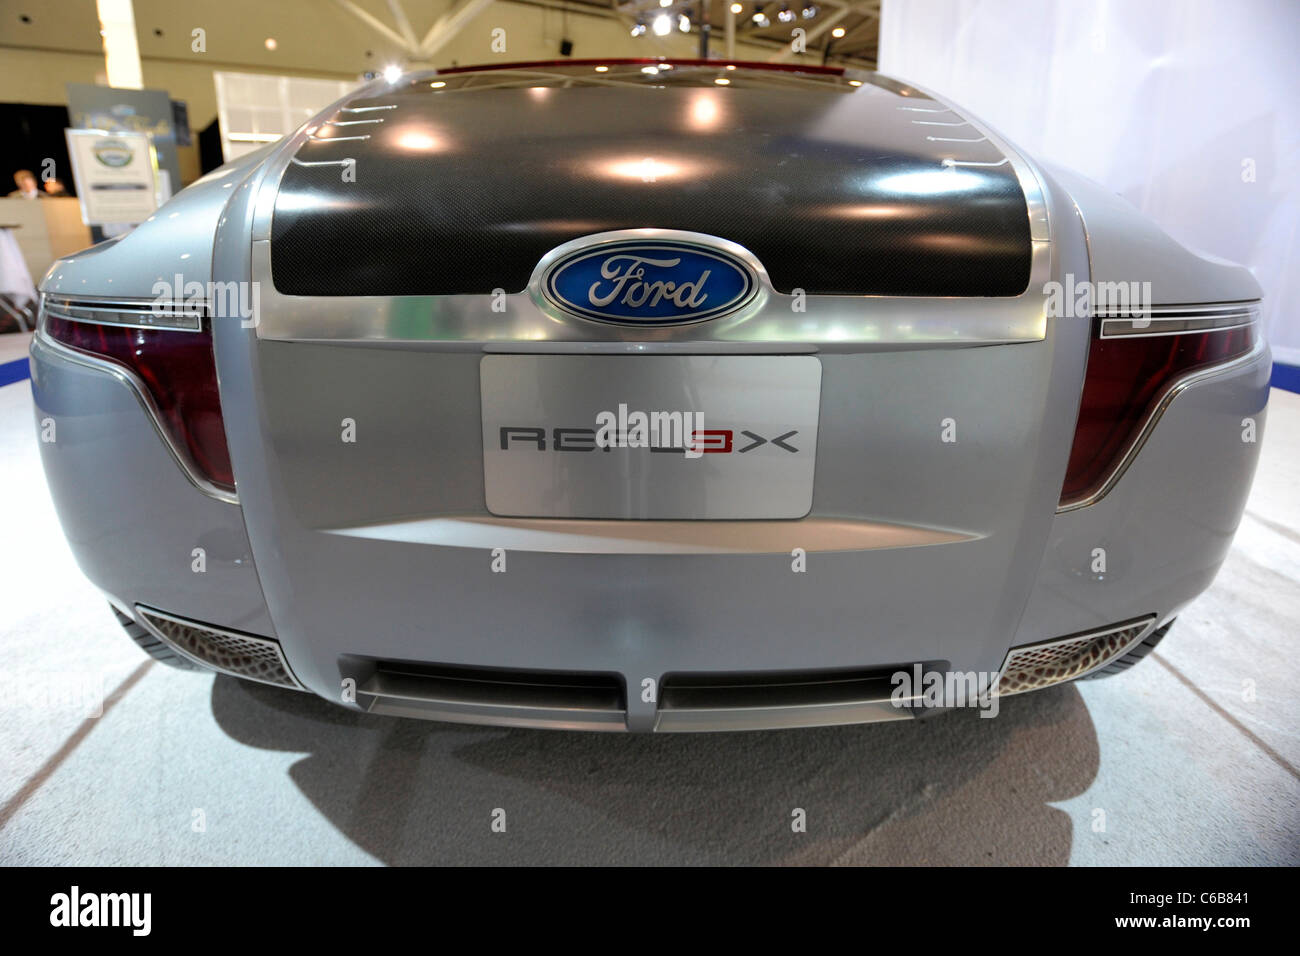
[
  {"x": 42, "y": 340},
  {"x": 128, "y": 313},
  {"x": 1177, "y": 319}
]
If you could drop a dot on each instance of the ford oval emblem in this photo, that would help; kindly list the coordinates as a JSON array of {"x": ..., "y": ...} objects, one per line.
[{"x": 648, "y": 282}]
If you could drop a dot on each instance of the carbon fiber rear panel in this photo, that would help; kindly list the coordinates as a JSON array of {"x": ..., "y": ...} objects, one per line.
[{"x": 835, "y": 192}]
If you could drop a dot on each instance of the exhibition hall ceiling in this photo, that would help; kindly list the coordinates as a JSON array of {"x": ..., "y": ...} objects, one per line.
[{"x": 352, "y": 36}]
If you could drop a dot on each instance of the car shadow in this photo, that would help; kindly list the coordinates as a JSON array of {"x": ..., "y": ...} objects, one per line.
[{"x": 953, "y": 789}]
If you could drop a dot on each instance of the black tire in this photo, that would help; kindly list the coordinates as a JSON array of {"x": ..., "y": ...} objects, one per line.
[
  {"x": 1143, "y": 648},
  {"x": 152, "y": 646}
]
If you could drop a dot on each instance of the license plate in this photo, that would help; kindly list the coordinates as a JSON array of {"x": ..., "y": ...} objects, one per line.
[{"x": 640, "y": 436}]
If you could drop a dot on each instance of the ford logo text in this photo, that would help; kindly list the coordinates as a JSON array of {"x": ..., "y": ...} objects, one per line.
[{"x": 648, "y": 282}]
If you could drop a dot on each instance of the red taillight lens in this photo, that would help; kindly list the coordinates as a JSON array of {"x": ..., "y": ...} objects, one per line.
[
  {"x": 180, "y": 373},
  {"x": 1127, "y": 377}
]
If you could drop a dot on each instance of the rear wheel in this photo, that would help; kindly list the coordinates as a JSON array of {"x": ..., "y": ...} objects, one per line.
[
  {"x": 1141, "y": 650},
  {"x": 152, "y": 646}
]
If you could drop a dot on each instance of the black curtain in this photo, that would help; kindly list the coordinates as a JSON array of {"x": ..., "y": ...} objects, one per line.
[
  {"x": 210, "y": 147},
  {"x": 33, "y": 134}
]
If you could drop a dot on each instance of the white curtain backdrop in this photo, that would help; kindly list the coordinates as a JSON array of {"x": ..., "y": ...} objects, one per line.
[{"x": 1174, "y": 104}]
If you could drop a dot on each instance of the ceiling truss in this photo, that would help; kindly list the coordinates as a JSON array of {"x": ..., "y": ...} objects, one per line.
[{"x": 858, "y": 19}]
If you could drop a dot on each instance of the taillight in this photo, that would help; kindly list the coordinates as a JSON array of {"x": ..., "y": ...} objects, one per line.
[
  {"x": 1132, "y": 367},
  {"x": 176, "y": 367}
]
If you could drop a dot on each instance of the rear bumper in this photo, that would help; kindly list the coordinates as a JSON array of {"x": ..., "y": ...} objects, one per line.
[{"x": 134, "y": 522}]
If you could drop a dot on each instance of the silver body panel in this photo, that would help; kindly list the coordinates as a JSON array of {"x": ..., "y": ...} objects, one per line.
[{"x": 383, "y": 548}]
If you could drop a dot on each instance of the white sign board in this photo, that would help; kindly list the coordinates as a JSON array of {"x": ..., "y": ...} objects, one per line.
[
  {"x": 116, "y": 175},
  {"x": 751, "y": 421}
]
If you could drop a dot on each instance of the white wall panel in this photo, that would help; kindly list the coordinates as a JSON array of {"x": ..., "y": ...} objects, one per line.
[{"x": 1170, "y": 103}]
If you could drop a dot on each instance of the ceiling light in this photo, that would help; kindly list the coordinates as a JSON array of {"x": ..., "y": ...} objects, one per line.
[
  {"x": 809, "y": 11},
  {"x": 737, "y": 8},
  {"x": 602, "y": 69},
  {"x": 270, "y": 43},
  {"x": 652, "y": 70},
  {"x": 392, "y": 73},
  {"x": 662, "y": 26},
  {"x": 855, "y": 82},
  {"x": 785, "y": 15},
  {"x": 438, "y": 84},
  {"x": 683, "y": 23},
  {"x": 721, "y": 81},
  {"x": 638, "y": 28},
  {"x": 665, "y": 3},
  {"x": 838, "y": 32}
]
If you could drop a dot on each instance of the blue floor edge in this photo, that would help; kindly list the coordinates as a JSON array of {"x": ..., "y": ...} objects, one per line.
[
  {"x": 1285, "y": 376},
  {"x": 15, "y": 371}
]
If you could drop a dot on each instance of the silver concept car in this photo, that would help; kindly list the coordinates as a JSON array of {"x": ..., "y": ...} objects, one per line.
[{"x": 648, "y": 395}]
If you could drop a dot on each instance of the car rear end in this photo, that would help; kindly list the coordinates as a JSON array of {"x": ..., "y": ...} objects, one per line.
[{"x": 414, "y": 521}]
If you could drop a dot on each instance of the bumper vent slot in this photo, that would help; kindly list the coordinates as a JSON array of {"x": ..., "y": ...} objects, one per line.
[
  {"x": 692, "y": 702},
  {"x": 545, "y": 699},
  {"x": 1052, "y": 662},
  {"x": 229, "y": 652}
]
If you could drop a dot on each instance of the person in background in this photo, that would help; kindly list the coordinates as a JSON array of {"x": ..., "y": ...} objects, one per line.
[
  {"x": 54, "y": 188},
  {"x": 26, "y": 183}
]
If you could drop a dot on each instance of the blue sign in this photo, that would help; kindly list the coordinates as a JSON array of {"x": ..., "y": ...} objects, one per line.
[{"x": 649, "y": 282}]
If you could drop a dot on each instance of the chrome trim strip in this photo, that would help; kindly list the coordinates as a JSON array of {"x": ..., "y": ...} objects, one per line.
[
  {"x": 312, "y": 138},
  {"x": 267, "y": 183},
  {"x": 963, "y": 162},
  {"x": 1030, "y": 183},
  {"x": 769, "y": 324},
  {"x": 1175, "y": 388},
  {"x": 1150, "y": 623},
  {"x": 193, "y": 307},
  {"x": 700, "y": 719},
  {"x": 42, "y": 340},
  {"x": 1176, "y": 319},
  {"x": 1151, "y": 328},
  {"x": 321, "y": 162},
  {"x": 596, "y": 536},
  {"x": 144, "y": 613},
  {"x": 149, "y": 315},
  {"x": 1198, "y": 308}
]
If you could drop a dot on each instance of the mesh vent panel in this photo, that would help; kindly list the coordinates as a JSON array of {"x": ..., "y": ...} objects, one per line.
[
  {"x": 1041, "y": 665},
  {"x": 242, "y": 655}
]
